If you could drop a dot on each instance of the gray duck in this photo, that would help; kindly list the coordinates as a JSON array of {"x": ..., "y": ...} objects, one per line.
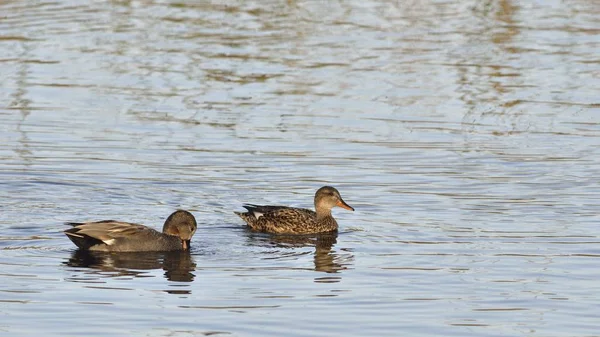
[{"x": 117, "y": 236}]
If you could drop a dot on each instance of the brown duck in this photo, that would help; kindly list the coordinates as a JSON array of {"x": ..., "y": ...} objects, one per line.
[
  {"x": 116, "y": 236},
  {"x": 290, "y": 220}
]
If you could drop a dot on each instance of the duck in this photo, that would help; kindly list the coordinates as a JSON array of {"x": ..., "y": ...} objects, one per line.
[
  {"x": 291, "y": 220},
  {"x": 118, "y": 236}
]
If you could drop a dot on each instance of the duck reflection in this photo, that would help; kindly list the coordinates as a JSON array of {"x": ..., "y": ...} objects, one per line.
[
  {"x": 178, "y": 265},
  {"x": 325, "y": 258}
]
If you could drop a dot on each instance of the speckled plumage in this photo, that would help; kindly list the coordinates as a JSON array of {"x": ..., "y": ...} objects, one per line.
[
  {"x": 117, "y": 236},
  {"x": 290, "y": 220}
]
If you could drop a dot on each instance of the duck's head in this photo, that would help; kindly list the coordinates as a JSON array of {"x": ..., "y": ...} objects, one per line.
[
  {"x": 183, "y": 225},
  {"x": 328, "y": 197}
]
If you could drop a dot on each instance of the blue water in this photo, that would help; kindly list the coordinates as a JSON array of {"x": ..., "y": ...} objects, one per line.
[{"x": 466, "y": 135}]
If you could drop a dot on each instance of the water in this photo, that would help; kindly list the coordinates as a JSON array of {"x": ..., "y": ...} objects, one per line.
[{"x": 466, "y": 135}]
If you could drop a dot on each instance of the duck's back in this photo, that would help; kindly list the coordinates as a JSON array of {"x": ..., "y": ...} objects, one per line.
[
  {"x": 286, "y": 220},
  {"x": 115, "y": 236}
]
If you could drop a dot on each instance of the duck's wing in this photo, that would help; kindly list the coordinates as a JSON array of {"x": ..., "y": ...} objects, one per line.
[
  {"x": 281, "y": 219},
  {"x": 107, "y": 232},
  {"x": 254, "y": 212},
  {"x": 258, "y": 210}
]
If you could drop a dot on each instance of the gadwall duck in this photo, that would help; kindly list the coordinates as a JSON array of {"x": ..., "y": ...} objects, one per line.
[
  {"x": 290, "y": 220},
  {"x": 116, "y": 236}
]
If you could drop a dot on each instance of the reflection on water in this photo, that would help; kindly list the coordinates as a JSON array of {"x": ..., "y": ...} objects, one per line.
[
  {"x": 178, "y": 266},
  {"x": 325, "y": 260}
]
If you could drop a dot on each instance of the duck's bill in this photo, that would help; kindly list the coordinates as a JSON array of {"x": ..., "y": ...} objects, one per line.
[
  {"x": 186, "y": 244},
  {"x": 341, "y": 203}
]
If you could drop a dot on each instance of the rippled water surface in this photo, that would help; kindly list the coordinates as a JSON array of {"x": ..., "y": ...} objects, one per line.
[{"x": 466, "y": 134}]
